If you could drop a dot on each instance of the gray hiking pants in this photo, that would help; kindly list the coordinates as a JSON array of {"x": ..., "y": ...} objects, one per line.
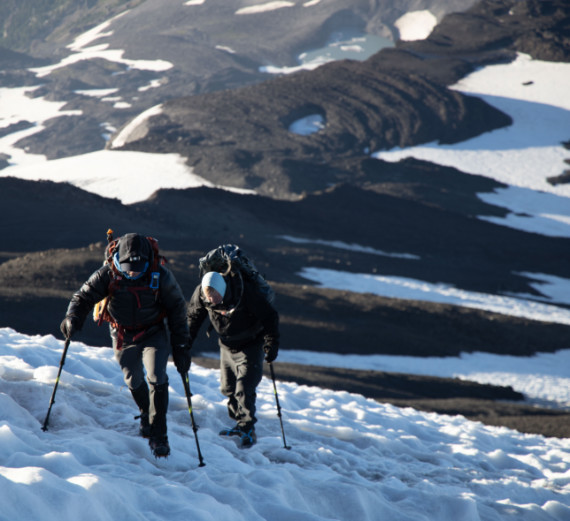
[{"x": 240, "y": 374}]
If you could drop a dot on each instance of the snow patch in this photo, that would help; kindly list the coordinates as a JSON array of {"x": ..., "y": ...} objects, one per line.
[
  {"x": 136, "y": 128},
  {"x": 128, "y": 176},
  {"x": 307, "y": 125},
  {"x": 264, "y": 8},
  {"x": 82, "y": 52},
  {"x": 415, "y": 25},
  {"x": 407, "y": 288},
  {"x": 351, "y": 247}
]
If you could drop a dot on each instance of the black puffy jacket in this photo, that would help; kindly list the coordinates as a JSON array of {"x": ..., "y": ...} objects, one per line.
[
  {"x": 242, "y": 318},
  {"x": 133, "y": 303}
]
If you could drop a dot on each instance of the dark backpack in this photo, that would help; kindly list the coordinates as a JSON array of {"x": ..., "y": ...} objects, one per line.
[{"x": 230, "y": 258}]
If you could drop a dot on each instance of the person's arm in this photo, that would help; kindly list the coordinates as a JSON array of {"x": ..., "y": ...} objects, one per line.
[
  {"x": 173, "y": 302},
  {"x": 96, "y": 288},
  {"x": 267, "y": 315},
  {"x": 197, "y": 313}
]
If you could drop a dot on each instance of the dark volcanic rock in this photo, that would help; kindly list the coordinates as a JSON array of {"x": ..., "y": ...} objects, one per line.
[
  {"x": 396, "y": 98},
  {"x": 43, "y": 215},
  {"x": 210, "y": 52},
  {"x": 241, "y": 138},
  {"x": 201, "y": 48},
  {"x": 85, "y": 135},
  {"x": 13, "y": 68},
  {"x": 15, "y": 127},
  {"x": 12, "y": 60},
  {"x": 49, "y": 258},
  {"x": 493, "y": 28},
  {"x": 563, "y": 178}
]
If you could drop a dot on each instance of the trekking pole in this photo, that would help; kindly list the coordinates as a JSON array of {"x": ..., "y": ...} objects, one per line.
[
  {"x": 186, "y": 383},
  {"x": 52, "y": 400},
  {"x": 278, "y": 406}
]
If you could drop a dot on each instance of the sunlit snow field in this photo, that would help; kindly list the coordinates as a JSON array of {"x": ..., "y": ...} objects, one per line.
[{"x": 349, "y": 457}]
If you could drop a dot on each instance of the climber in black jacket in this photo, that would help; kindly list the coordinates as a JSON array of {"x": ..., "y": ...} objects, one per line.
[
  {"x": 146, "y": 311},
  {"x": 248, "y": 329}
]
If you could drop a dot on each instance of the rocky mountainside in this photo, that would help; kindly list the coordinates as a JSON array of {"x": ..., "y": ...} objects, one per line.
[
  {"x": 398, "y": 97},
  {"x": 201, "y": 48}
]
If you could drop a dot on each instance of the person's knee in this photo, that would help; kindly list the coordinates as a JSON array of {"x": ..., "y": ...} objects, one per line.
[
  {"x": 159, "y": 385},
  {"x": 226, "y": 390},
  {"x": 157, "y": 376},
  {"x": 133, "y": 380}
]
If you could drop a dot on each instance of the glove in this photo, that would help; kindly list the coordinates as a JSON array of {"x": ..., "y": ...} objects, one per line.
[
  {"x": 270, "y": 352},
  {"x": 68, "y": 327},
  {"x": 182, "y": 358}
]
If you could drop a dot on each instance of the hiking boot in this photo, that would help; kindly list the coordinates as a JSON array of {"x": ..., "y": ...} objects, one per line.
[
  {"x": 230, "y": 431},
  {"x": 144, "y": 427},
  {"x": 159, "y": 447},
  {"x": 248, "y": 438}
]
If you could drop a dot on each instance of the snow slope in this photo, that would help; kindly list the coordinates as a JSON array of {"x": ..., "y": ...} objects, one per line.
[{"x": 350, "y": 457}]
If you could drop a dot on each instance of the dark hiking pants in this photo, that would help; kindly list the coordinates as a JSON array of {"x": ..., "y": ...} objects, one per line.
[
  {"x": 240, "y": 374},
  {"x": 150, "y": 356}
]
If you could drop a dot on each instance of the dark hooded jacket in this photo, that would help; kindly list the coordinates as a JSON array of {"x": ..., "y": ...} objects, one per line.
[
  {"x": 133, "y": 304},
  {"x": 243, "y": 318}
]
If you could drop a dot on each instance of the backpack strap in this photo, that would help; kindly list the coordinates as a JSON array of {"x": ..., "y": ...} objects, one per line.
[{"x": 157, "y": 259}]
